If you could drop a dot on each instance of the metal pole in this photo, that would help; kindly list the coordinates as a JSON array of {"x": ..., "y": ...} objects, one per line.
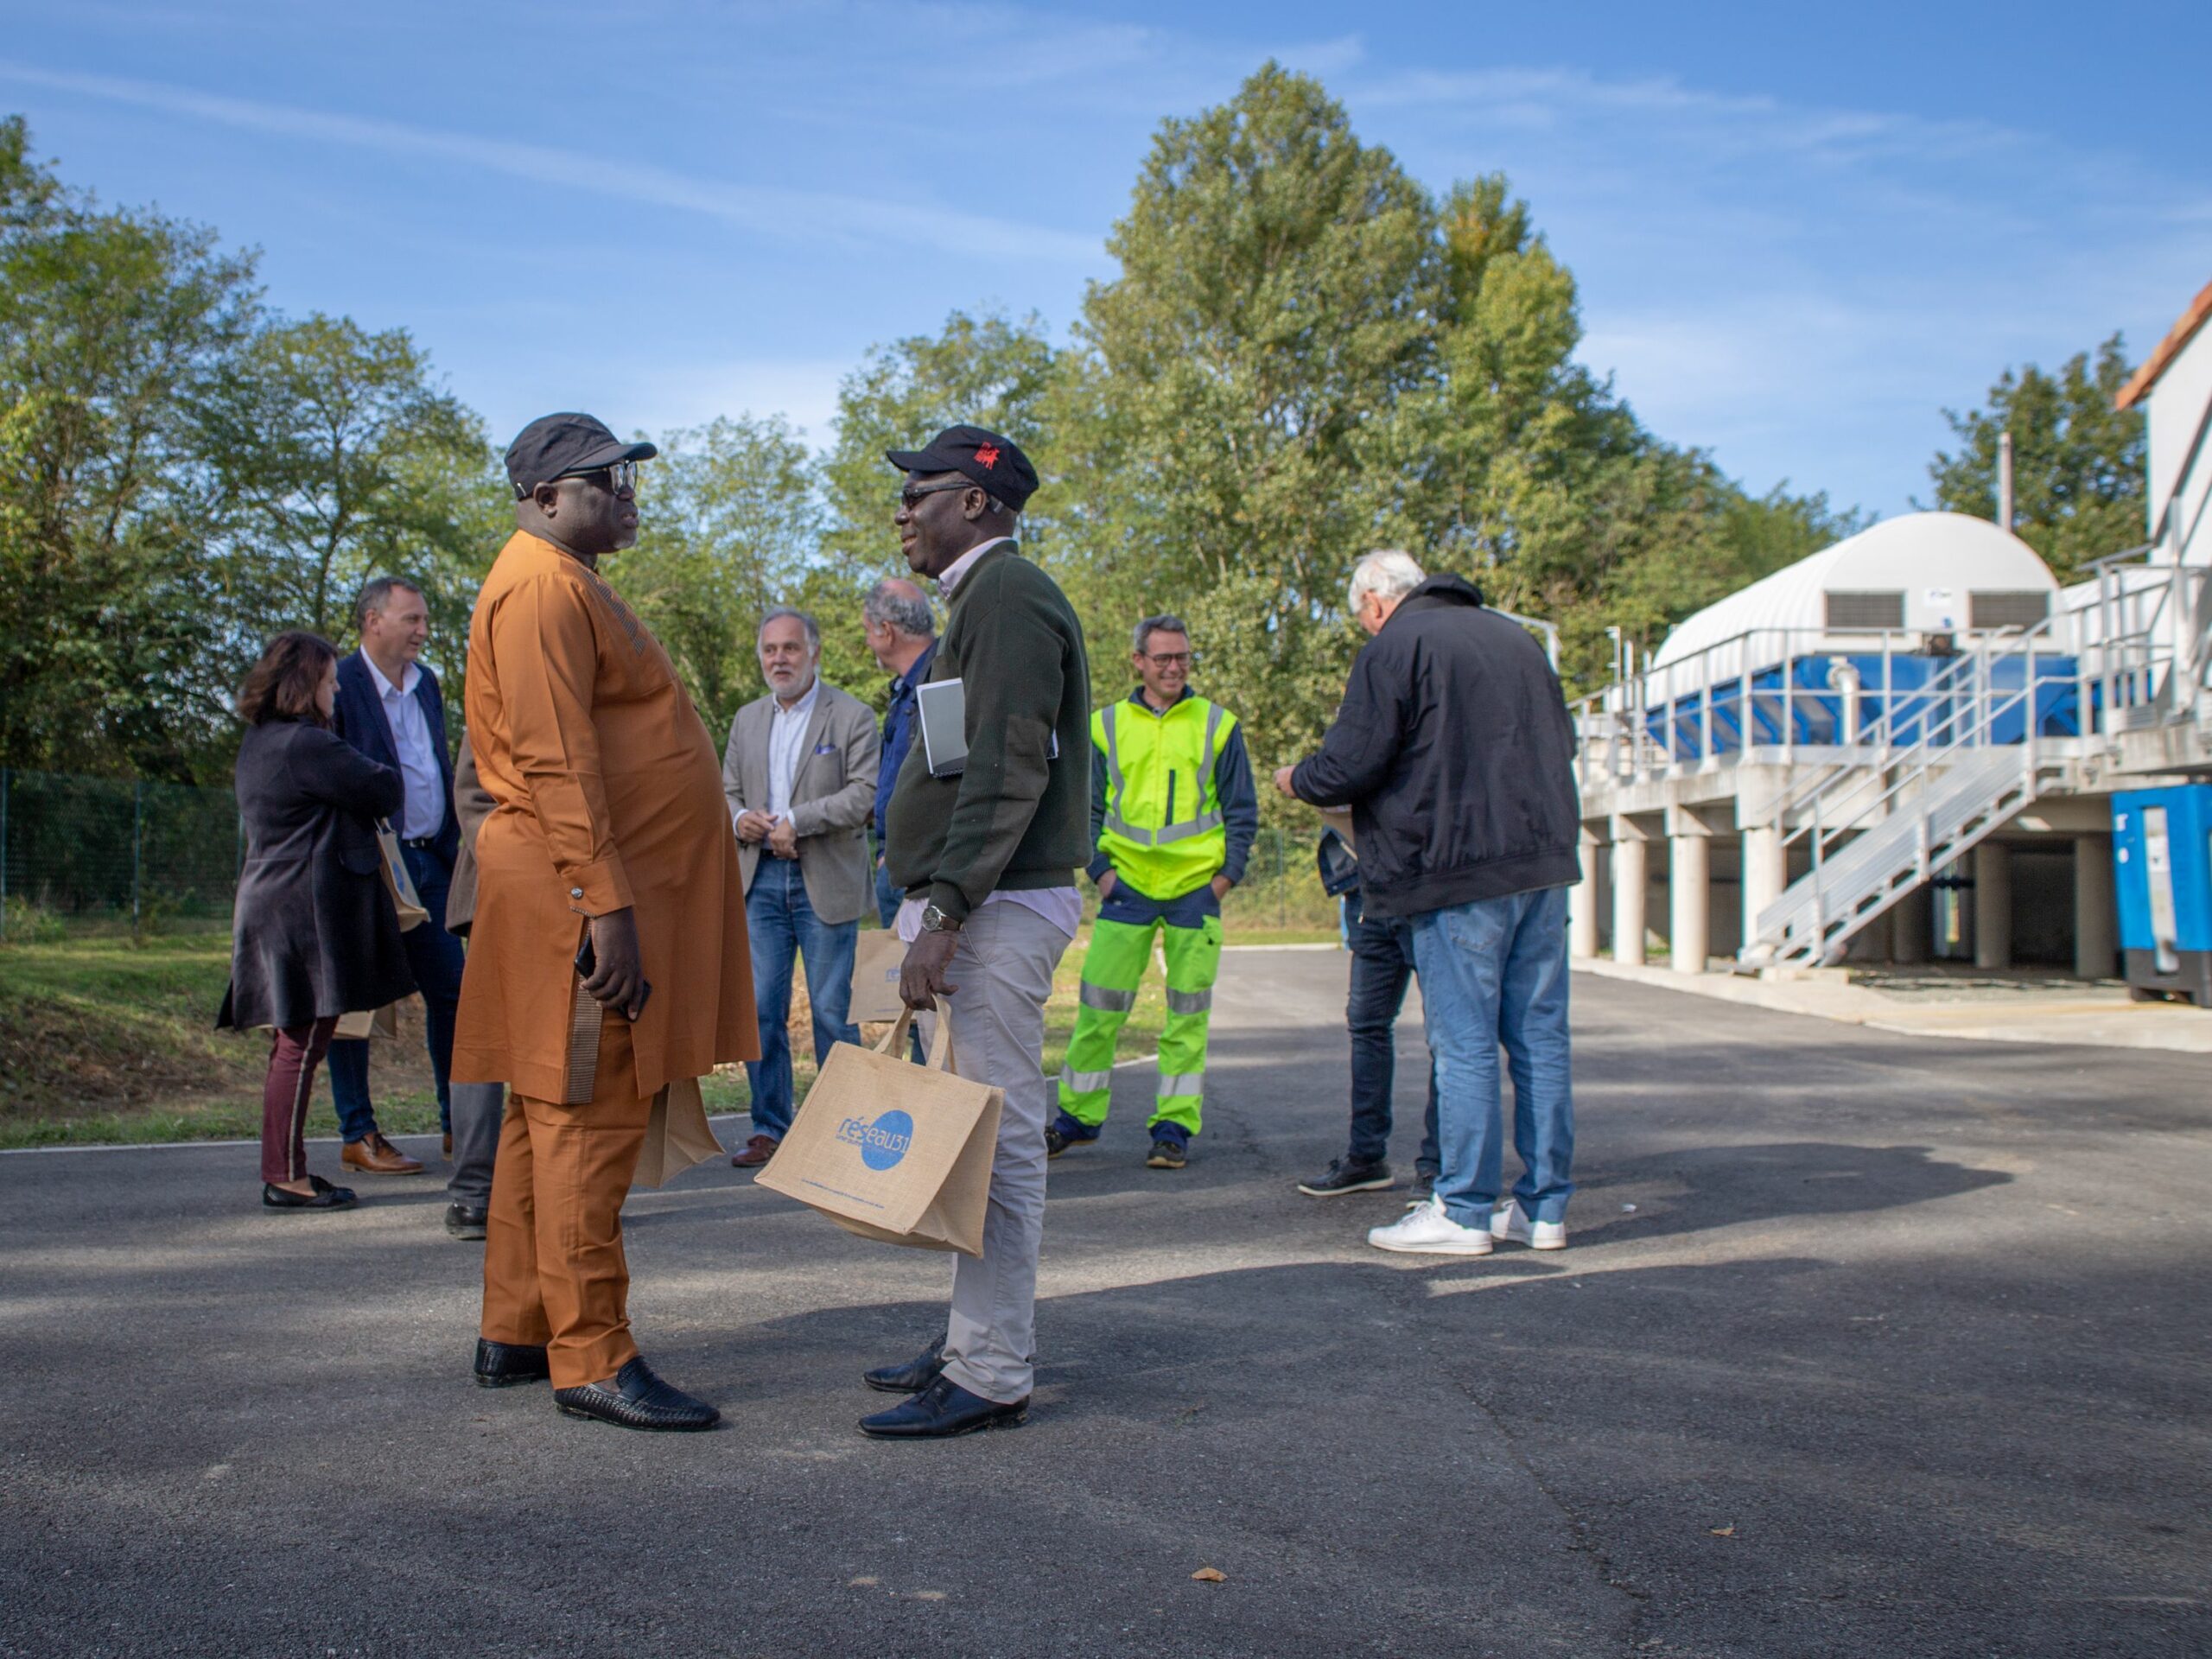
[
  {"x": 137, "y": 860},
  {"x": 2004, "y": 481}
]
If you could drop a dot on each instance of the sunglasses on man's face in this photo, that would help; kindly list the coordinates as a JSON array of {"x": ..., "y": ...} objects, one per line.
[
  {"x": 910, "y": 497},
  {"x": 619, "y": 478}
]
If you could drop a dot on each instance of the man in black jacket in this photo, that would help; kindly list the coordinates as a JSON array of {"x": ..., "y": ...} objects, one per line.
[
  {"x": 390, "y": 709},
  {"x": 1455, "y": 752}
]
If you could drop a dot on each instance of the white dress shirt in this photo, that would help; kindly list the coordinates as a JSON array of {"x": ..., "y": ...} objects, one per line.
[
  {"x": 1062, "y": 907},
  {"x": 422, "y": 813},
  {"x": 787, "y": 745}
]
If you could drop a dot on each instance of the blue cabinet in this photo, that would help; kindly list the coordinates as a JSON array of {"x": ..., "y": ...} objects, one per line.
[{"x": 2162, "y": 869}]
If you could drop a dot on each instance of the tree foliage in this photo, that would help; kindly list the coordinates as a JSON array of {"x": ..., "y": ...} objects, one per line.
[
  {"x": 729, "y": 524},
  {"x": 113, "y": 324},
  {"x": 2077, "y": 463}
]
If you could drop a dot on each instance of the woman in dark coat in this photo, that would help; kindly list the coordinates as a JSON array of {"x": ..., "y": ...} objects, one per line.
[{"x": 315, "y": 933}]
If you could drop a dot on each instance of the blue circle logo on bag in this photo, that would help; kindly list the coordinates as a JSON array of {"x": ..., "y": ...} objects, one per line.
[{"x": 883, "y": 1143}]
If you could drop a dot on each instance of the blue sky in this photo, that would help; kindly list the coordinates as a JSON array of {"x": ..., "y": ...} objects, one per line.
[{"x": 1800, "y": 232}]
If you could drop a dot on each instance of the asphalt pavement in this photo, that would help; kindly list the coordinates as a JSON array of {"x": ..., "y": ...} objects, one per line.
[{"x": 1865, "y": 1343}]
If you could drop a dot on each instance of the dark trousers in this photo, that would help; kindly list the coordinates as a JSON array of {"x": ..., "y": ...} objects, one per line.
[
  {"x": 1381, "y": 968},
  {"x": 435, "y": 958},
  {"x": 294, "y": 1053},
  {"x": 478, "y": 1112}
]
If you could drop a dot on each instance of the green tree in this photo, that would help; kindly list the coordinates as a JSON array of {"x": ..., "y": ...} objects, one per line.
[
  {"x": 112, "y": 322},
  {"x": 989, "y": 371},
  {"x": 2077, "y": 463},
  {"x": 730, "y": 524},
  {"x": 1238, "y": 412},
  {"x": 332, "y": 456}
]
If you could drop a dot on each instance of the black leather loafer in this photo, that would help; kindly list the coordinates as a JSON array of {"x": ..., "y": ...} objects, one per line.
[
  {"x": 503, "y": 1365},
  {"x": 913, "y": 1377},
  {"x": 942, "y": 1410},
  {"x": 638, "y": 1400},
  {"x": 467, "y": 1220},
  {"x": 325, "y": 1197}
]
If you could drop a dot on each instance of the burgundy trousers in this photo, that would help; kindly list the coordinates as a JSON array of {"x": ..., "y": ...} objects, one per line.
[{"x": 294, "y": 1053}]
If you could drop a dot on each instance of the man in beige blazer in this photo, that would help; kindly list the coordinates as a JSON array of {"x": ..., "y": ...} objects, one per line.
[{"x": 800, "y": 775}]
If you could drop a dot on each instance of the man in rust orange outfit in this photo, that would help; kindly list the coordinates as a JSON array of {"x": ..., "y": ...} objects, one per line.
[{"x": 608, "y": 956}]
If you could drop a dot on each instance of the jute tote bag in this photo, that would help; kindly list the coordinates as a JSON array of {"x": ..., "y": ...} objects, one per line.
[
  {"x": 677, "y": 1135},
  {"x": 877, "y": 957},
  {"x": 893, "y": 1150}
]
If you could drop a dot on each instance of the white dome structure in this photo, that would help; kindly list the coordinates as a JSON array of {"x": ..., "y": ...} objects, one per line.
[{"x": 1924, "y": 572}]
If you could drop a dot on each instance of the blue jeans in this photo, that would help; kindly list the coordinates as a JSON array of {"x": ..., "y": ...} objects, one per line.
[
  {"x": 434, "y": 956},
  {"x": 782, "y": 926},
  {"x": 887, "y": 898},
  {"x": 1495, "y": 971},
  {"x": 1381, "y": 968}
]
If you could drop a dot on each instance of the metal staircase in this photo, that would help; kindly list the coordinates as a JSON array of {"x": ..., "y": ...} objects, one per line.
[{"x": 1875, "y": 834}]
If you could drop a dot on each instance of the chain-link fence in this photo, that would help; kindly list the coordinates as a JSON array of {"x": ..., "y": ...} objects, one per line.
[{"x": 114, "y": 849}]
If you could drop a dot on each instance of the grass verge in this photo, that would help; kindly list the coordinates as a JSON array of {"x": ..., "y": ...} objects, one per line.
[{"x": 105, "y": 1040}]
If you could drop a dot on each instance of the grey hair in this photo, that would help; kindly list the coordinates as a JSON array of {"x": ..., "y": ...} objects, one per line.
[
  {"x": 910, "y": 614},
  {"x": 1386, "y": 574},
  {"x": 813, "y": 634},
  {"x": 375, "y": 591},
  {"x": 1164, "y": 623}
]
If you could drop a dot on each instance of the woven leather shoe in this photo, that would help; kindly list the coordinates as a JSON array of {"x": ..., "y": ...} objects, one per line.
[
  {"x": 942, "y": 1410},
  {"x": 913, "y": 1377},
  {"x": 503, "y": 1365},
  {"x": 374, "y": 1156},
  {"x": 638, "y": 1400}
]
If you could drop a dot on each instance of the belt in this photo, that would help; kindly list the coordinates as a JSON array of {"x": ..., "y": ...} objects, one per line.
[{"x": 421, "y": 841}]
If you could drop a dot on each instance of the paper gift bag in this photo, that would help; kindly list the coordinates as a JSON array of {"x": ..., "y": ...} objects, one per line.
[
  {"x": 369, "y": 1022},
  {"x": 400, "y": 884},
  {"x": 677, "y": 1135},
  {"x": 893, "y": 1150},
  {"x": 877, "y": 958}
]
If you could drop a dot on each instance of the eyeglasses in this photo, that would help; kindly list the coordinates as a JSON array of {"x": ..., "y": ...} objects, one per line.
[
  {"x": 621, "y": 477},
  {"x": 1171, "y": 658},
  {"x": 910, "y": 498}
]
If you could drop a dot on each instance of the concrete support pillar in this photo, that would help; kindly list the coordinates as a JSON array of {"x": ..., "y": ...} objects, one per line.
[
  {"x": 1631, "y": 872},
  {"x": 1582, "y": 902},
  {"x": 1689, "y": 890},
  {"x": 1993, "y": 905},
  {"x": 1763, "y": 870},
  {"x": 2096, "y": 913},
  {"x": 1912, "y": 926}
]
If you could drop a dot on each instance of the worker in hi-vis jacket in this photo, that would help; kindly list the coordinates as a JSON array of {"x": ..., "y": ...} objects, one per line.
[{"x": 1172, "y": 816}]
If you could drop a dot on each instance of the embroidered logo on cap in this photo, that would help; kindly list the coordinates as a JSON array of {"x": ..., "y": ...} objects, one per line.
[{"x": 987, "y": 455}]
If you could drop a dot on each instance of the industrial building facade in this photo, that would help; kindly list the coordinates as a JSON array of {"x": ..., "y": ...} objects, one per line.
[{"x": 1908, "y": 746}]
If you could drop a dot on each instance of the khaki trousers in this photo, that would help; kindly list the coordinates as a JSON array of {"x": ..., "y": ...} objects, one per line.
[
  {"x": 554, "y": 1271},
  {"x": 1004, "y": 969}
]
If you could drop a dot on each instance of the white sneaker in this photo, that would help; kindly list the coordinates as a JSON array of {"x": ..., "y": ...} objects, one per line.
[
  {"x": 1511, "y": 1221},
  {"x": 1425, "y": 1230}
]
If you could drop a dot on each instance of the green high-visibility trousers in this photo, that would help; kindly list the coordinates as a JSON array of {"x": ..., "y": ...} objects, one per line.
[{"x": 1112, "y": 969}]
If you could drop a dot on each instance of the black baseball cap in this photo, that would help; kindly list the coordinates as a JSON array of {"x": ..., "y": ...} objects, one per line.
[
  {"x": 555, "y": 446},
  {"x": 983, "y": 457}
]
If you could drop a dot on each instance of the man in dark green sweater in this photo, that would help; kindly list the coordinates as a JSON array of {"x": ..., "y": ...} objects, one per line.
[{"x": 986, "y": 856}]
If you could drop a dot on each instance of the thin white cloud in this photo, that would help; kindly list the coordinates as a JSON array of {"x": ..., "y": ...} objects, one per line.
[{"x": 804, "y": 215}]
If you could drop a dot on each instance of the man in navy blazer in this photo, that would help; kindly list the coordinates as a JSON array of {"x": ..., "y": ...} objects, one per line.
[{"x": 389, "y": 708}]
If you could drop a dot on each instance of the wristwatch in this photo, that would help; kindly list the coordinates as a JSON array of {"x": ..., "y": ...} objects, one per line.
[{"x": 934, "y": 920}]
